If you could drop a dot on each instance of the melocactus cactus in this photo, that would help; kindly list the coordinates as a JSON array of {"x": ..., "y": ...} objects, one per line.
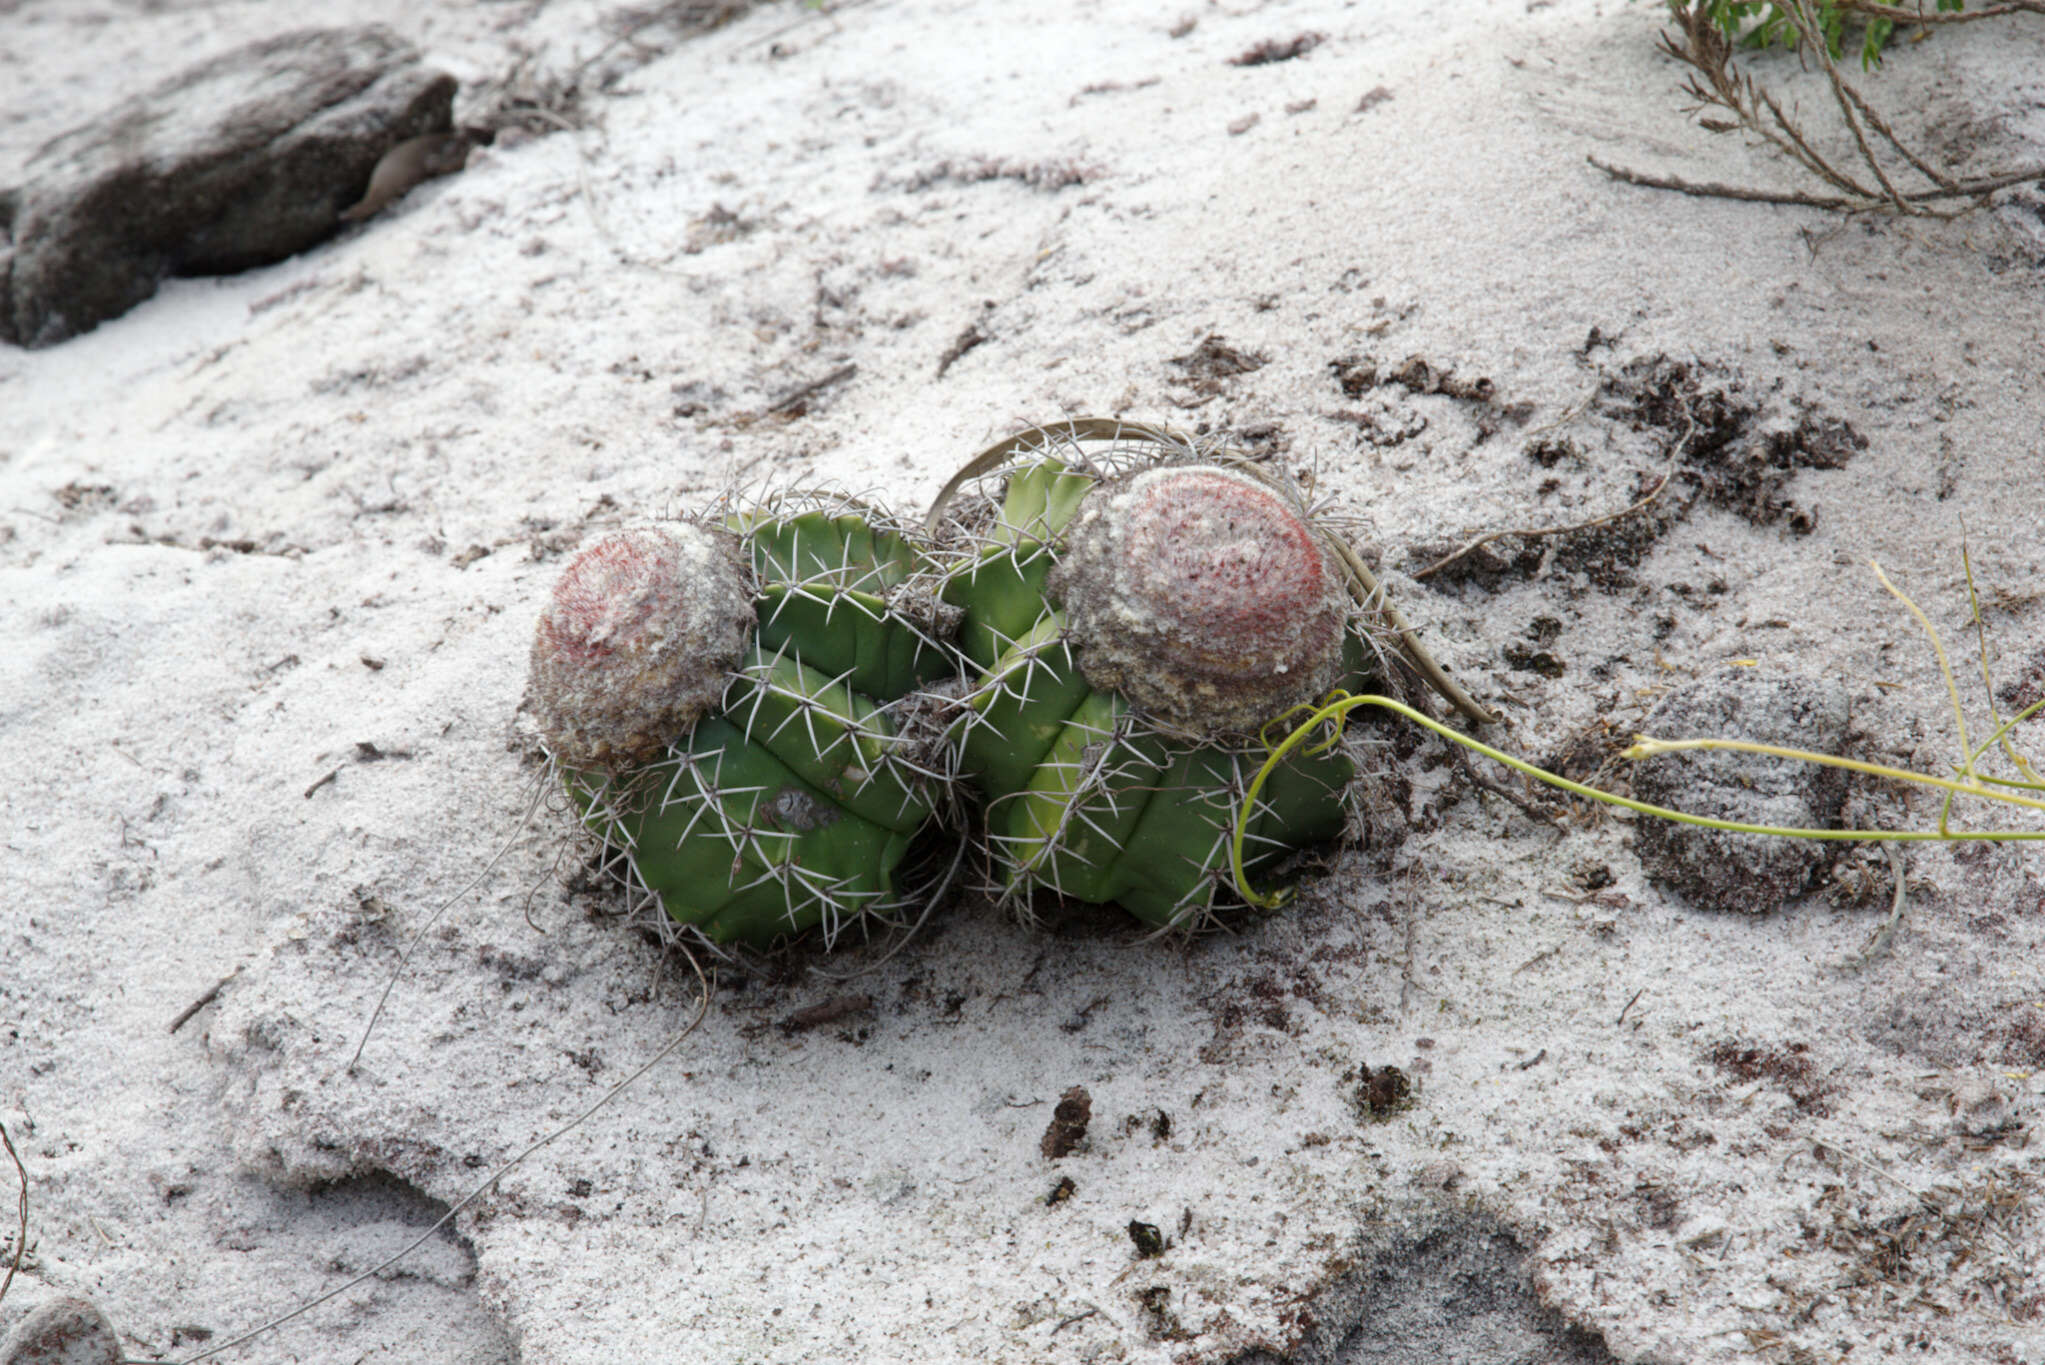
[
  {"x": 1203, "y": 595},
  {"x": 637, "y": 641},
  {"x": 730, "y": 709},
  {"x": 1135, "y": 617}
]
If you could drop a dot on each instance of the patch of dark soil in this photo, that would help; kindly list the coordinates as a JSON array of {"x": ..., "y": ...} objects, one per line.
[
  {"x": 1278, "y": 50},
  {"x": 1069, "y": 1121},
  {"x": 1725, "y": 444},
  {"x": 1943, "y": 1027},
  {"x": 2025, "y": 1041},
  {"x": 1789, "y": 1067},
  {"x": 1214, "y": 361},
  {"x": 1358, "y": 374},
  {"x": 1722, "y": 870},
  {"x": 1382, "y": 1092},
  {"x": 2027, "y": 687},
  {"x": 1521, "y": 659},
  {"x": 1591, "y": 755},
  {"x": 1437, "y": 1286}
]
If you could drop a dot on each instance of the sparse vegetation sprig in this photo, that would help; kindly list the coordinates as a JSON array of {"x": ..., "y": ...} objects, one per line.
[
  {"x": 1885, "y": 173},
  {"x": 1319, "y": 728},
  {"x": 1770, "y": 23}
]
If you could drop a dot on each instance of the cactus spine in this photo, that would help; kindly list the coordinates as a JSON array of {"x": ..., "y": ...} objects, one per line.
[{"x": 785, "y": 793}]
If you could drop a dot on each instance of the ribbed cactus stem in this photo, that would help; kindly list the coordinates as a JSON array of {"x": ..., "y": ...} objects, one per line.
[
  {"x": 638, "y": 640},
  {"x": 1204, "y": 595}
]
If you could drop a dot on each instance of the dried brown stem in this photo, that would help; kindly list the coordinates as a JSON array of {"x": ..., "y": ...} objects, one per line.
[
  {"x": 1711, "y": 189},
  {"x": 1700, "y": 45},
  {"x": 1880, "y": 125},
  {"x": 1807, "y": 25},
  {"x": 1921, "y": 18}
]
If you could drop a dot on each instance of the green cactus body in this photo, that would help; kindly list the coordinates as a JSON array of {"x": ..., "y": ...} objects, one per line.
[
  {"x": 1000, "y": 589},
  {"x": 792, "y": 802},
  {"x": 1086, "y": 794}
]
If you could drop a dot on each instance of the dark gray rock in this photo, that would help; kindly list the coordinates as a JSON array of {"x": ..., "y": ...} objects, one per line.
[
  {"x": 238, "y": 162},
  {"x": 62, "y": 1332},
  {"x": 1716, "y": 869}
]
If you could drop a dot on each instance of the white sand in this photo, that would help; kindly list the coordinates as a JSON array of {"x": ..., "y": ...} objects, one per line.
[{"x": 498, "y": 362}]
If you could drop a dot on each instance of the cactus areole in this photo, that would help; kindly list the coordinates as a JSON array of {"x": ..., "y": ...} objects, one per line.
[
  {"x": 1203, "y": 595},
  {"x": 638, "y": 640}
]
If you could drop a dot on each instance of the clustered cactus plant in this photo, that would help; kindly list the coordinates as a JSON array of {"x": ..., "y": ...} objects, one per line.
[
  {"x": 733, "y": 707},
  {"x": 758, "y": 712}
]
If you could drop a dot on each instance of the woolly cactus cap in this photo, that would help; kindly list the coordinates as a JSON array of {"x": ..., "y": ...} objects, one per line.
[
  {"x": 638, "y": 640},
  {"x": 1202, "y": 594}
]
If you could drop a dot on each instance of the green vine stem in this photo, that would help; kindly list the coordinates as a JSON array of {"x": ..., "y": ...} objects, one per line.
[
  {"x": 1335, "y": 710},
  {"x": 1339, "y": 704}
]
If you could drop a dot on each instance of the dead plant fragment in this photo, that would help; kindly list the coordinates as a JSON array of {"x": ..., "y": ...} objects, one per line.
[{"x": 1884, "y": 173}]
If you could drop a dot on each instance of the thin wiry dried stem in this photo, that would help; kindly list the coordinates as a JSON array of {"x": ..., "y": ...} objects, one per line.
[
  {"x": 21, "y": 1236},
  {"x": 1806, "y": 21},
  {"x": 1713, "y": 189},
  {"x": 1918, "y": 163}
]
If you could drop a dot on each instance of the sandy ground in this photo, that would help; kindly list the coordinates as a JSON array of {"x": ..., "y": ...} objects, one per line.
[{"x": 272, "y": 546}]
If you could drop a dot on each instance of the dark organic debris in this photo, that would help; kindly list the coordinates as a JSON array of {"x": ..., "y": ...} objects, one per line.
[
  {"x": 1718, "y": 869},
  {"x": 1147, "y": 1240},
  {"x": 718, "y": 226},
  {"x": 1358, "y": 374},
  {"x": 1061, "y": 1192},
  {"x": 1418, "y": 376},
  {"x": 1037, "y": 175},
  {"x": 1521, "y": 659},
  {"x": 1788, "y": 1066},
  {"x": 1381, "y": 1092},
  {"x": 1068, "y": 1123},
  {"x": 1279, "y": 50},
  {"x": 1734, "y": 460},
  {"x": 1722, "y": 445},
  {"x": 2027, "y": 687},
  {"x": 1214, "y": 360},
  {"x": 966, "y": 340},
  {"x": 148, "y": 190},
  {"x": 1158, "y": 1318}
]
